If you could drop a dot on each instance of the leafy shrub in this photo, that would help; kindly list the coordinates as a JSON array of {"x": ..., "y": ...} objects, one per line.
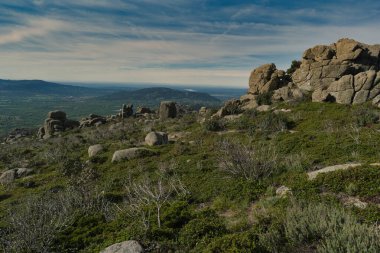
[
  {"x": 201, "y": 230},
  {"x": 71, "y": 166},
  {"x": 264, "y": 98},
  {"x": 272, "y": 122},
  {"x": 249, "y": 163},
  {"x": 293, "y": 67},
  {"x": 234, "y": 243},
  {"x": 332, "y": 228},
  {"x": 366, "y": 117},
  {"x": 215, "y": 124}
]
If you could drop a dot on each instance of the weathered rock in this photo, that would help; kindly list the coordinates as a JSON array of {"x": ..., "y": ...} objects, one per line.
[
  {"x": 23, "y": 172},
  {"x": 312, "y": 175},
  {"x": 156, "y": 138},
  {"x": 8, "y": 177},
  {"x": 92, "y": 120},
  {"x": 168, "y": 109},
  {"x": 283, "y": 191},
  {"x": 124, "y": 247},
  {"x": 266, "y": 78},
  {"x": 263, "y": 108},
  {"x": 131, "y": 153},
  {"x": 94, "y": 150},
  {"x": 18, "y": 134}
]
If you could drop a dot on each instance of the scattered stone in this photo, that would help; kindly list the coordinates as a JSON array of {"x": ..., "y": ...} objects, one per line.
[
  {"x": 353, "y": 201},
  {"x": 9, "y": 176},
  {"x": 312, "y": 175},
  {"x": 94, "y": 150},
  {"x": 263, "y": 108},
  {"x": 156, "y": 138},
  {"x": 143, "y": 110},
  {"x": 124, "y": 247},
  {"x": 92, "y": 120},
  {"x": 167, "y": 110},
  {"x": 131, "y": 153},
  {"x": 19, "y": 133},
  {"x": 283, "y": 191}
]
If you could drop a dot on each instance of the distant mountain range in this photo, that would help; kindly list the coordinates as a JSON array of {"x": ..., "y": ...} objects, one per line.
[
  {"x": 39, "y": 87},
  {"x": 157, "y": 94}
]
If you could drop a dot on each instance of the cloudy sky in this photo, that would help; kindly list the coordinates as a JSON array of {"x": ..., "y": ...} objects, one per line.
[{"x": 198, "y": 42}]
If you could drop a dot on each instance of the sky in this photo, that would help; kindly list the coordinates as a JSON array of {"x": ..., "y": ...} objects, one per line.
[{"x": 192, "y": 42}]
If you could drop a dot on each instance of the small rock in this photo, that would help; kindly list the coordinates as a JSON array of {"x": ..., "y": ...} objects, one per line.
[
  {"x": 352, "y": 201},
  {"x": 156, "y": 138},
  {"x": 131, "y": 153},
  {"x": 124, "y": 247},
  {"x": 283, "y": 191},
  {"x": 94, "y": 150},
  {"x": 263, "y": 108}
]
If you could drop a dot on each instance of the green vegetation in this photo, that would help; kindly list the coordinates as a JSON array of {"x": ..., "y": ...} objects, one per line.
[{"x": 211, "y": 189}]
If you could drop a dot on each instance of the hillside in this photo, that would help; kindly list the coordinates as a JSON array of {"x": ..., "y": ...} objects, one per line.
[
  {"x": 152, "y": 96},
  {"x": 279, "y": 170}
]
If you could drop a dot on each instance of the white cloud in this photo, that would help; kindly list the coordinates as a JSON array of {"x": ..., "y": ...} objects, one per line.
[{"x": 33, "y": 28}]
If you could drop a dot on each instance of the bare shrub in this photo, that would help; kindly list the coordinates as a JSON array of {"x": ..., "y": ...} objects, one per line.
[
  {"x": 141, "y": 196},
  {"x": 250, "y": 163},
  {"x": 35, "y": 224}
]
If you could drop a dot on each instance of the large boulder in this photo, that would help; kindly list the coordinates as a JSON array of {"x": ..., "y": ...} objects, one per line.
[
  {"x": 167, "y": 110},
  {"x": 124, "y": 247},
  {"x": 156, "y": 138},
  {"x": 266, "y": 78},
  {"x": 131, "y": 153}
]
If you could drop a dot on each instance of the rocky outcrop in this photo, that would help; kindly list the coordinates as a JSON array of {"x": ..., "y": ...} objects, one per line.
[
  {"x": 156, "y": 138},
  {"x": 92, "y": 120},
  {"x": 345, "y": 72},
  {"x": 56, "y": 122},
  {"x": 131, "y": 153},
  {"x": 124, "y": 247},
  {"x": 168, "y": 110}
]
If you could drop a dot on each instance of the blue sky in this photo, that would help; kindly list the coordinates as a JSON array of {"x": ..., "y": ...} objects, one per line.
[{"x": 198, "y": 42}]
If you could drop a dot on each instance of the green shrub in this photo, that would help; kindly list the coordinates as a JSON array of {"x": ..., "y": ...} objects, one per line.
[
  {"x": 366, "y": 117},
  {"x": 293, "y": 67},
  {"x": 201, "y": 230},
  {"x": 272, "y": 122},
  {"x": 264, "y": 98},
  {"x": 332, "y": 228},
  {"x": 215, "y": 124},
  {"x": 233, "y": 243}
]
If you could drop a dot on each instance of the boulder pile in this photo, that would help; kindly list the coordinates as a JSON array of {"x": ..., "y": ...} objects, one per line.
[{"x": 92, "y": 120}]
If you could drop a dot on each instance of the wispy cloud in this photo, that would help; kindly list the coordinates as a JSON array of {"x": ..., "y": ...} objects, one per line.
[{"x": 186, "y": 42}]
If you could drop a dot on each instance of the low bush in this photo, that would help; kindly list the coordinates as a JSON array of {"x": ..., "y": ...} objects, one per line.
[
  {"x": 234, "y": 243},
  {"x": 215, "y": 124}
]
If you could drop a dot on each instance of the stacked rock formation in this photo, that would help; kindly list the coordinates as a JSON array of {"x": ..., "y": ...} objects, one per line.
[
  {"x": 345, "y": 72},
  {"x": 56, "y": 122},
  {"x": 167, "y": 110}
]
